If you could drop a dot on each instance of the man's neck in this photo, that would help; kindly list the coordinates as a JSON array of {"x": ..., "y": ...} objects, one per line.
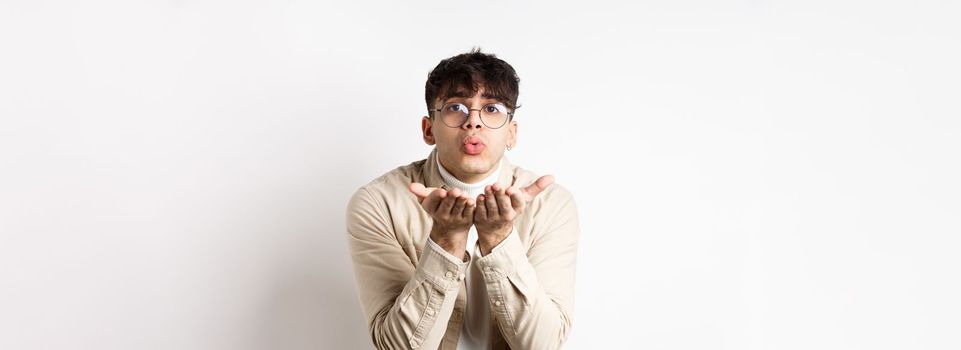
[
  {"x": 475, "y": 185},
  {"x": 472, "y": 178}
]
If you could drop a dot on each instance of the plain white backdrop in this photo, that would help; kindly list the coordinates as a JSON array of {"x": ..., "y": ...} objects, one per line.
[{"x": 750, "y": 174}]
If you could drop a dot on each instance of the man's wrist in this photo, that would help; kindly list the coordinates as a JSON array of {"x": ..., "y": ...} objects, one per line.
[
  {"x": 453, "y": 242},
  {"x": 490, "y": 239}
]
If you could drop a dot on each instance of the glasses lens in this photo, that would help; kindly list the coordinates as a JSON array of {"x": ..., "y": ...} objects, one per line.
[
  {"x": 454, "y": 114},
  {"x": 494, "y": 115}
]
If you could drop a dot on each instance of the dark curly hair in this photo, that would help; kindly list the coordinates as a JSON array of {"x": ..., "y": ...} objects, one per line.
[{"x": 462, "y": 75}]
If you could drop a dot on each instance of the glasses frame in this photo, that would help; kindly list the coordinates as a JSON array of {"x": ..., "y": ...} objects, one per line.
[{"x": 510, "y": 114}]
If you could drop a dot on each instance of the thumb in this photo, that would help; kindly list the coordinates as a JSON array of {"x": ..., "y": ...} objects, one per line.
[
  {"x": 419, "y": 190},
  {"x": 538, "y": 186}
]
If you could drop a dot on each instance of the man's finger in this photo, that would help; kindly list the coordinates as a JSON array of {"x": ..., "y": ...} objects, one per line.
[
  {"x": 461, "y": 206},
  {"x": 433, "y": 200},
  {"x": 503, "y": 203},
  {"x": 420, "y": 191},
  {"x": 491, "y": 203},
  {"x": 517, "y": 200},
  {"x": 480, "y": 212},
  {"x": 446, "y": 205},
  {"x": 458, "y": 207},
  {"x": 469, "y": 210},
  {"x": 538, "y": 186}
]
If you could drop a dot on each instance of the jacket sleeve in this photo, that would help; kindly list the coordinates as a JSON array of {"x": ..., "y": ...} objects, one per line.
[
  {"x": 532, "y": 291},
  {"x": 406, "y": 307}
]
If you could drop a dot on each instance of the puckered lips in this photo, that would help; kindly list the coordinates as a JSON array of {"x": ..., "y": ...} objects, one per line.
[{"x": 473, "y": 145}]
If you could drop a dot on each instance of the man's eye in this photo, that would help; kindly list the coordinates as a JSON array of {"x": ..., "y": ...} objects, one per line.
[
  {"x": 495, "y": 109},
  {"x": 455, "y": 108}
]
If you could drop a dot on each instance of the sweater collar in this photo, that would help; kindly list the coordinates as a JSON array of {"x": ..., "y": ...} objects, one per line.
[
  {"x": 430, "y": 172},
  {"x": 472, "y": 190}
]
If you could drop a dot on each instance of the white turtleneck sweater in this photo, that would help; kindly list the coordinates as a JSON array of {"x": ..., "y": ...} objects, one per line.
[
  {"x": 473, "y": 190},
  {"x": 476, "y": 330}
]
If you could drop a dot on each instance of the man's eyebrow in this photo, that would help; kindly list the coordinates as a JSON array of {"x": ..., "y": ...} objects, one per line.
[
  {"x": 460, "y": 94},
  {"x": 490, "y": 96}
]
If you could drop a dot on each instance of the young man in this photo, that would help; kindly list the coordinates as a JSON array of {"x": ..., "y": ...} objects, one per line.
[{"x": 464, "y": 250}]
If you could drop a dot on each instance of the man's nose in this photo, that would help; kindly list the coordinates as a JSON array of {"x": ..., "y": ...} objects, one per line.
[{"x": 473, "y": 120}]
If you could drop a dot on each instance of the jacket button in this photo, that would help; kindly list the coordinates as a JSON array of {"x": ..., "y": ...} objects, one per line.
[{"x": 449, "y": 274}]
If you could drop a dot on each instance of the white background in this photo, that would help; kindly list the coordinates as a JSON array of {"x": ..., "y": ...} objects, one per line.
[{"x": 750, "y": 174}]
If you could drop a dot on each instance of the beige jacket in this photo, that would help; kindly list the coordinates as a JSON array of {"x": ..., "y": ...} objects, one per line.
[{"x": 414, "y": 295}]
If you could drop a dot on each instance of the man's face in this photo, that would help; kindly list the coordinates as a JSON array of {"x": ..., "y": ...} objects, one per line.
[{"x": 470, "y": 152}]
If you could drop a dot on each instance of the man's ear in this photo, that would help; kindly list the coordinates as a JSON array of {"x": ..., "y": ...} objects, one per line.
[
  {"x": 512, "y": 137},
  {"x": 427, "y": 127}
]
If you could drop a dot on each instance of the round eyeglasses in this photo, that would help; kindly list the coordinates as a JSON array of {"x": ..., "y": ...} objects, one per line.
[{"x": 493, "y": 115}]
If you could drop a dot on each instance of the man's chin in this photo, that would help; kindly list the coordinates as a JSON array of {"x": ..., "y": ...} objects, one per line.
[
  {"x": 472, "y": 164},
  {"x": 479, "y": 159}
]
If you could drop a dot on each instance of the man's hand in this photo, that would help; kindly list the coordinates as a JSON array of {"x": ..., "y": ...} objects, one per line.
[
  {"x": 497, "y": 208},
  {"x": 453, "y": 215}
]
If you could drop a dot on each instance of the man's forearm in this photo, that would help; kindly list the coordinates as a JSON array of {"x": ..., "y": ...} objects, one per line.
[
  {"x": 406, "y": 306},
  {"x": 529, "y": 316}
]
